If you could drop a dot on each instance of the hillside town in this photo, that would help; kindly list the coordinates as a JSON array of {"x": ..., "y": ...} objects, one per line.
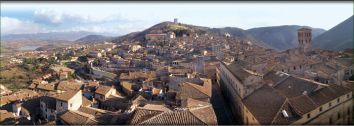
[{"x": 178, "y": 74}]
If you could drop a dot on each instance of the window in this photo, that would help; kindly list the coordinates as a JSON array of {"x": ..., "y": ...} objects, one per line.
[
  {"x": 348, "y": 111},
  {"x": 45, "y": 110},
  {"x": 71, "y": 104},
  {"x": 294, "y": 68},
  {"x": 309, "y": 115},
  {"x": 320, "y": 109},
  {"x": 61, "y": 103},
  {"x": 338, "y": 100},
  {"x": 330, "y": 104},
  {"x": 347, "y": 95},
  {"x": 338, "y": 115},
  {"x": 330, "y": 120}
]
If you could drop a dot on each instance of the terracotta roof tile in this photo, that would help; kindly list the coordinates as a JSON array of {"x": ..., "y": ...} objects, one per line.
[
  {"x": 69, "y": 85},
  {"x": 264, "y": 104},
  {"x": 103, "y": 90},
  {"x": 66, "y": 96},
  {"x": 77, "y": 118},
  {"x": 4, "y": 115},
  {"x": 154, "y": 115},
  {"x": 46, "y": 87}
]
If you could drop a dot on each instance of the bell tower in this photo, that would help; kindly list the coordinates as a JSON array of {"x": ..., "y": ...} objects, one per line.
[{"x": 304, "y": 37}]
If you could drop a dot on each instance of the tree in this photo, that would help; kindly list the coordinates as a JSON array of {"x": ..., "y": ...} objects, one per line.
[
  {"x": 351, "y": 78},
  {"x": 83, "y": 58},
  {"x": 51, "y": 60},
  {"x": 96, "y": 62}
]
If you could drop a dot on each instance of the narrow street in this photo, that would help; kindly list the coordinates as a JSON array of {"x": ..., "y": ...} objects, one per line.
[{"x": 222, "y": 109}]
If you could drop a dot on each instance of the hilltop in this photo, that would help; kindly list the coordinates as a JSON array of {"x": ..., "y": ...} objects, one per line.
[{"x": 339, "y": 37}]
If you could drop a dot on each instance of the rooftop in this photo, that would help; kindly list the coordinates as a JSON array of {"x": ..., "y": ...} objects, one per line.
[{"x": 66, "y": 96}]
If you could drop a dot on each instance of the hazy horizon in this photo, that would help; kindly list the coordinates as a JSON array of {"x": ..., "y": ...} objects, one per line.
[{"x": 125, "y": 17}]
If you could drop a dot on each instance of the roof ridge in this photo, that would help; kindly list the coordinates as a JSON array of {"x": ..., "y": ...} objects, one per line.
[
  {"x": 285, "y": 101},
  {"x": 195, "y": 86},
  {"x": 311, "y": 100},
  {"x": 254, "y": 91},
  {"x": 315, "y": 82},
  {"x": 154, "y": 117},
  {"x": 201, "y": 107},
  {"x": 296, "y": 111},
  {"x": 288, "y": 75},
  {"x": 190, "y": 110},
  {"x": 196, "y": 117}
]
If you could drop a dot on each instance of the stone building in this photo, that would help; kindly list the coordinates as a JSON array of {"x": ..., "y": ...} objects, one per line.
[
  {"x": 304, "y": 38},
  {"x": 70, "y": 100},
  {"x": 280, "y": 98}
]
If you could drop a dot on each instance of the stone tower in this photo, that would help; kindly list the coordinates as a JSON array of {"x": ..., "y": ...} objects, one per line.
[
  {"x": 175, "y": 20},
  {"x": 304, "y": 37}
]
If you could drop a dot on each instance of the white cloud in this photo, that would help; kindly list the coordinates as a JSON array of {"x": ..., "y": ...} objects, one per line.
[
  {"x": 16, "y": 26},
  {"x": 57, "y": 17},
  {"x": 47, "y": 17}
]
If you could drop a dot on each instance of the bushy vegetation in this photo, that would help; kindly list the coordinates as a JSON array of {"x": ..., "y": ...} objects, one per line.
[
  {"x": 179, "y": 30},
  {"x": 351, "y": 78},
  {"x": 16, "y": 77}
]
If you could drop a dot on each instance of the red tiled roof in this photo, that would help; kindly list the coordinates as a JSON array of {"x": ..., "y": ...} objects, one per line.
[
  {"x": 103, "y": 90},
  {"x": 66, "y": 96}
]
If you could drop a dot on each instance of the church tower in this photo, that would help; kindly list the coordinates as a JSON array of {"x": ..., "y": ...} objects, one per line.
[{"x": 304, "y": 38}]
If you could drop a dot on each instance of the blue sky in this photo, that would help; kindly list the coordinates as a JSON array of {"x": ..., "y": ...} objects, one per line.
[{"x": 125, "y": 17}]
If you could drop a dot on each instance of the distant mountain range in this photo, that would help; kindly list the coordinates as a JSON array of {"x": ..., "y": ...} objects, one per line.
[
  {"x": 281, "y": 37},
  {"x": 94, "y": 39},
  {"x": 67, "y": 36},
  {"x": 337, "y": 38},
  {"x": 276, "y": 37}
]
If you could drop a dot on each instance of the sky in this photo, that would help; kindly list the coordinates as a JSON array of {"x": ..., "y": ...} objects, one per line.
[{"x": 124, "y": 17}]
